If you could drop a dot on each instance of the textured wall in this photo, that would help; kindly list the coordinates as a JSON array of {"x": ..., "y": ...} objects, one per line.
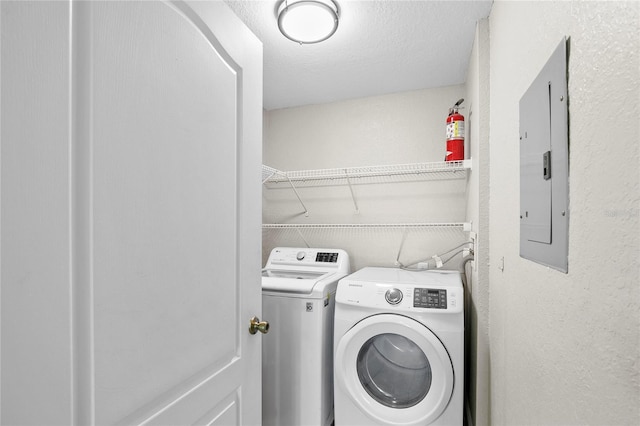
[
  {"x": 477, "y": 99},
  {"x": 565, "y": 347},
  {"x": 392, "y": 129}
]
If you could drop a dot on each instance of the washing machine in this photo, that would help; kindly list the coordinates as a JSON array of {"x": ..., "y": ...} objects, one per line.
[
  {"x": 399, "y": 348},
  {"x": 298, "y": 301}
]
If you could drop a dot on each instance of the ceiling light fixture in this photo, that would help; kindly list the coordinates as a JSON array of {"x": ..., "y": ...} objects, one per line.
[{"x": 308, "y": 21}]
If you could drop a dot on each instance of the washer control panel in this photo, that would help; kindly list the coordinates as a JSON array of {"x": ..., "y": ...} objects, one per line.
[
  {"x": 429, "y": 298},
  {"x": 327, "y": 257},
  {"x": 308, "y": 259},
  {"x": 304, "y": 256}
]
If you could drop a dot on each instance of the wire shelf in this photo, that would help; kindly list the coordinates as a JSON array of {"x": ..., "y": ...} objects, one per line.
[
  {"x": 269, "y": 172},
  {"x": 461, "y": 226},
  {"x": 451, "y": 168}
]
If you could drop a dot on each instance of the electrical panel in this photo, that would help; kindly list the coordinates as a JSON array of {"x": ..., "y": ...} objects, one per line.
[{"x": 544, "y": 165}]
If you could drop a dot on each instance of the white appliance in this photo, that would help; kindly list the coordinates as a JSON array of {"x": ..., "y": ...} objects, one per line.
[
  {"x": 298, "y": 301},
  {"x": 399, "y": 348}
]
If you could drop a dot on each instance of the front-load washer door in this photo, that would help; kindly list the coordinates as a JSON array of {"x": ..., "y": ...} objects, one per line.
[{"x": 395, "y": 370}]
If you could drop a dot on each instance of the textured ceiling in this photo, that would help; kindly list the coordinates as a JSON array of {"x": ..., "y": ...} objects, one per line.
[{"x": 380, "y": 47}]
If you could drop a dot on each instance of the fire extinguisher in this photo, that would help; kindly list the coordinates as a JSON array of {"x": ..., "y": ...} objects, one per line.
[{"x": 455, "y": 134}]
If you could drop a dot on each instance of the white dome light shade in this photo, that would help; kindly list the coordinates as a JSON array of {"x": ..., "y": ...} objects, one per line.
[{"x": 308, "y": 21}]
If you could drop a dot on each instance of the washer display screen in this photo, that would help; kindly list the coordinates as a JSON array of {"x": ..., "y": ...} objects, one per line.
[{"x": 327, "y": 257}]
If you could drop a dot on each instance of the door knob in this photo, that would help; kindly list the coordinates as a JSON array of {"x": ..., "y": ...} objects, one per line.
[{"x": 256, "y": 325}]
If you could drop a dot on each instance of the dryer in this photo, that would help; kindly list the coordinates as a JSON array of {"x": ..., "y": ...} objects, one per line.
[
  {"x": 399, "y": 348},
  {"x": 298, "y": 300}
]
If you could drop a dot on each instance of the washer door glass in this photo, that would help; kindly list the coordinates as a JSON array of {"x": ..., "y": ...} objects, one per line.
[{"x": 394, "y": 370}]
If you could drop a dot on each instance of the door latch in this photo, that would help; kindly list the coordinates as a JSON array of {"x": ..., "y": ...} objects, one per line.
[
  {"x": 256, "y": 325},
  {"x": 546, "y": 165}
]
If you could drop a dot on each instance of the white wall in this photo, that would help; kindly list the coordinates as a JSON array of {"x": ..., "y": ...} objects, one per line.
[
  {"x": 477, "y": 96},
  {"x": 392, "y": 129},
  {"x": 565, "y": 347},
  {"x": 384, "y": 130}
]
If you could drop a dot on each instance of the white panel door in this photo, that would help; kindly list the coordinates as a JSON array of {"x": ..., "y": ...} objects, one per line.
[{"x": 155, "y": 218}]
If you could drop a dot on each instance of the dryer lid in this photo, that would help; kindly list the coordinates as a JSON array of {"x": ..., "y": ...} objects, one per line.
[{"x": 291, "y": 281}]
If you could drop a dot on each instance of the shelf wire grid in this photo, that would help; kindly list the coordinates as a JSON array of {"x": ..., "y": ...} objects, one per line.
[
  {"x": 461, "y": 226},
  {"x": 448, "y": 168}
]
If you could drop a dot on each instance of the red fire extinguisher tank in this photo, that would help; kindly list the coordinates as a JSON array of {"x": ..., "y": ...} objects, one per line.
[{"x": 455, "y": 134}]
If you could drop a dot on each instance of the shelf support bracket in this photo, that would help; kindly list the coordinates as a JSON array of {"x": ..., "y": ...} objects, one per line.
[
  {"x": 353, "y": 197},
  {"x": 302, "y": 237},
  {"x": 404, "y": 237},
  {"x": 306, "y": 212}
]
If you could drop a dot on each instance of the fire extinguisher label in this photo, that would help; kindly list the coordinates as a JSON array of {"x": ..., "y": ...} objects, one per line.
[{"x": 455, "y": 130}]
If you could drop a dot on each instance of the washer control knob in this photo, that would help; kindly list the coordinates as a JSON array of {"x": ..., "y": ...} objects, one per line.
[
  {"x": 301, "y": 255},
  {"x": 393, "y": 296}
]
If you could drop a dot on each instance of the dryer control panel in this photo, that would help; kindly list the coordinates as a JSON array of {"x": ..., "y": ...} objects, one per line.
[
  {"x": 397, "y": 290},
  {"x": 429, "y": 298}
]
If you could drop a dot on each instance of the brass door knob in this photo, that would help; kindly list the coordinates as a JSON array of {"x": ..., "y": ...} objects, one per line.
[{"x": 256, "y": 325}]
